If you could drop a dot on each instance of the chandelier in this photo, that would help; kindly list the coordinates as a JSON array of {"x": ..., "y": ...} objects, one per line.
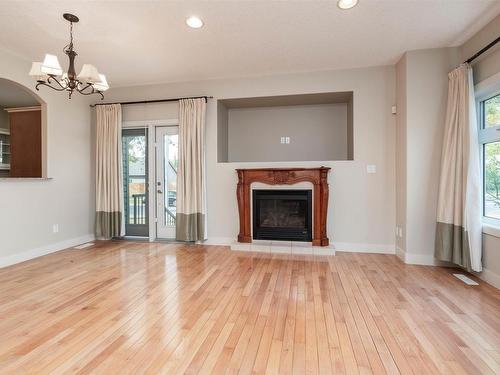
[{"x": 49, "y": 73}]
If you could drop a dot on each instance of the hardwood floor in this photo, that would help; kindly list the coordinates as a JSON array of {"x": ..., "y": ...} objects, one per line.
[{"x": 140, "y": 308}]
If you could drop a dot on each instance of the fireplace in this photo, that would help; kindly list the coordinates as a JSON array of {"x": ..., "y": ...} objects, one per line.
[
  {"x": 318, "y": 177},
  {"x": 284, "y": 215}
]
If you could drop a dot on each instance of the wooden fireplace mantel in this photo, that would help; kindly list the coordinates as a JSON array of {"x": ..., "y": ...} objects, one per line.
[{"x": 285, "y": 176}]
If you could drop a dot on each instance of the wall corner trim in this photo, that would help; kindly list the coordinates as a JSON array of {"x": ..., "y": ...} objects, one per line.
[{"x": 43, "y": 250}]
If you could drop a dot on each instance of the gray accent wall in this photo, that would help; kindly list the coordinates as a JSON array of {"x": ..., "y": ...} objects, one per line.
[
  {"x": 222, "y": 133},
  {"x": 316, "y": 132}
]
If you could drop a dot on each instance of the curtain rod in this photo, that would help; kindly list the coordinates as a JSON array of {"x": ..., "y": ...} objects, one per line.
[
  {"x": 157, "y": 100},
  {"x": 473, "y": 57}
]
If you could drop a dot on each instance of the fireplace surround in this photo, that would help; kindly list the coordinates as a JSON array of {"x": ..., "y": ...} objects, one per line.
[{"x": 285, "y": 176}]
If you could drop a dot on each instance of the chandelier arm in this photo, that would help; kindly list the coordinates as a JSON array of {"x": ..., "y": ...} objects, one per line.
[
  {"x": 57, "y": 81},
  {"x": 91, "y": 93},
  {"x": 48, "y": 85},
  {"x": 82, "y": 90},
  {"x": 94, "y": 91}
]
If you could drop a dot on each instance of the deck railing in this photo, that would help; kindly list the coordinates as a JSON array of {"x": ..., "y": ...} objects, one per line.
[{"x": 139, "y": 209}]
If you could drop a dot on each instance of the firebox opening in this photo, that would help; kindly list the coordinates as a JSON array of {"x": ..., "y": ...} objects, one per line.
[{"x": 284, "y": 215}]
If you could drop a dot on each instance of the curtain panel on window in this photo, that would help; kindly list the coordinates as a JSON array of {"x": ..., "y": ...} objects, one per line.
[
  {"x": 458, "y": 232},
  {"x": 191, "y": 185},
  {"x": 109, "y": 221}
]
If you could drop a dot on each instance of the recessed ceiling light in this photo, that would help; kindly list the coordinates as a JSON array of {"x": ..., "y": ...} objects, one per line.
[
  {"x": 347, "y": 4},
  {"x": 194, "y": 22}
]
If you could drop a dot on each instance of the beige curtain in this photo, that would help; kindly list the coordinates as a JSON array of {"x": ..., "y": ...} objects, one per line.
[
  {"x": 458, "y": 232},
  {"x": 191, "y": 189},
  {"x": 109, "y": 221}
]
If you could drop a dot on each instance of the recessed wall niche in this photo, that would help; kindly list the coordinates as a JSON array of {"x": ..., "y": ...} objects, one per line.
[{"x": 304, "y": 127}]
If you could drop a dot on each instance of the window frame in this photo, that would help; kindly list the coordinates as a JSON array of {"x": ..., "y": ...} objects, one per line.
[{"x": 486, "y": 136}]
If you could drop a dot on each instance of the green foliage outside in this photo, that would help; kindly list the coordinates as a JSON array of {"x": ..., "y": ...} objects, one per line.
[
  {"x": 492, "y": 172},
  {"x": 136, "y": 149},
  {"x": 492, "y": 111},
  {"x": 492, "y": 153}
]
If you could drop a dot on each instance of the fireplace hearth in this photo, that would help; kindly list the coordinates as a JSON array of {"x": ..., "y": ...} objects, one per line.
[{"x": 284, "y": 215}]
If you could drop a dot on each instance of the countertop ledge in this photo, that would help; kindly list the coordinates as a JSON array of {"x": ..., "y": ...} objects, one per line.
[{"x": 26, "y": 178}]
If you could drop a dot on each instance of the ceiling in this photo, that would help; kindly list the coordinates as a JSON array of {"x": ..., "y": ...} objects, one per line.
[
  {"x": 138, "y": 42},
  {"x": 13, "y": 95}
]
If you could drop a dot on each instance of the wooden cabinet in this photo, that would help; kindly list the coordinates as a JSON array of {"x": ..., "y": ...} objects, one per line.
[{"x": 25, "y": 142}]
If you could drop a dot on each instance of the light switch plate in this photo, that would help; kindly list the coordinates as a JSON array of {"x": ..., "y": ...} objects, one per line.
[{"x": 371, "y": 168}]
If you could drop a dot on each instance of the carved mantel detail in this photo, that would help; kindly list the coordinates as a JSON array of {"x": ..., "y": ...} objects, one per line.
[{"x": 285, "y": 176}]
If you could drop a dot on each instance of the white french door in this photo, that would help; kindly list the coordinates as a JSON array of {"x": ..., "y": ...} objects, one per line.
[{"x": 167, "y": 159}]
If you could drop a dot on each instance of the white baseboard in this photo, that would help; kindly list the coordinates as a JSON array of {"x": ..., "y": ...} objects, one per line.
[
  {"x": 490, "y": 277},
  {"x": 420, "y": 259},
  {"x": 352, "y": 247},
  {"x": 218, "y": 241},
  {"x": 401, "y": 254},
  {"x": 44, "y": 250},
  {"x": 417, "y": 259}
]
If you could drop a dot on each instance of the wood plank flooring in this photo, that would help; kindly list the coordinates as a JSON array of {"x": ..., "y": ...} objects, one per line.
[{"x": 141, "y": 308}]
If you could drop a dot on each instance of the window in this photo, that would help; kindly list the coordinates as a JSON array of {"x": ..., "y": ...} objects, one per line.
[{"x": 489, "y": 135}]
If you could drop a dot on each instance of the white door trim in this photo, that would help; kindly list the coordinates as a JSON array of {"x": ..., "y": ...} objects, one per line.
[
  {"x": 151, "y": 126},
  {"x": 149, "y": 123}
]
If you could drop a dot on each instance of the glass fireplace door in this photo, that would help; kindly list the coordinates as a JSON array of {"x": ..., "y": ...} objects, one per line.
[{"x": 284, "y": 215}]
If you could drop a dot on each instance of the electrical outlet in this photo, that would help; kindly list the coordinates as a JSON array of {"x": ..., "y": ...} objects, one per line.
[
  {"x": 285, "y": 140},
  {"x": 371, "y": 168},
  {"x": 55, "y": 228},
  {"x": 400, "y": 232}
]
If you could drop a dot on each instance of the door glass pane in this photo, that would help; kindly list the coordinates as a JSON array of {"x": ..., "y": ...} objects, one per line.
[
  {"x": 492, "y": 180},
  {"x": 171, "y": 162},
  {"x": 135, "y": 182},
  {"x": 492, "y": 112}
]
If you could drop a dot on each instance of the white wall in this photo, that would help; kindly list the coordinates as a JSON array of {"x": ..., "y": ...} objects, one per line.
[
  {"x": 401, "y": 167},
  {"x": 427, "y": 92},
  {"x": 488, "y": 63},
  {"x": 29, "y": 208},
  {"x": 361, "y": 214},
  {"x": 422, "y": 90}
]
